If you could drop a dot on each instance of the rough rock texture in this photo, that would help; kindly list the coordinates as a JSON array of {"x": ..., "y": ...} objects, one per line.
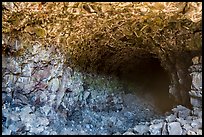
[
  {"x": 47, "y": 45},
  {"x": 196, "y": 87},
  {"x": 42, "y": 96},
  {"x": 105, "y": 37}
]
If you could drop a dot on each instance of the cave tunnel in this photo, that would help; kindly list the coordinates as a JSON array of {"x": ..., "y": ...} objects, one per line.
[
  {"x": 143, "y": 71},
  {"x": 148, "y": 74}
]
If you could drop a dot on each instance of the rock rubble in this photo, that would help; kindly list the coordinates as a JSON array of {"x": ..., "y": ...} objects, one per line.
[{"x": 42, "y": 96}]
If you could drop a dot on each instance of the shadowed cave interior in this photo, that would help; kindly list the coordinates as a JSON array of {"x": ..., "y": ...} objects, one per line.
[{"x": 142, "y": 76}]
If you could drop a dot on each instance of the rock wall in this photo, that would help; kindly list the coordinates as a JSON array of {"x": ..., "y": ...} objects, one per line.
[
  {"x": 181, "y": 121},
  {"x": 196, "y": 87},
  {"x": 42, "y": 95}
]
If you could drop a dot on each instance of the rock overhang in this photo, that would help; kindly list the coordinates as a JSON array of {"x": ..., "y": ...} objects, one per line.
[{"x": 102, "y": 37}]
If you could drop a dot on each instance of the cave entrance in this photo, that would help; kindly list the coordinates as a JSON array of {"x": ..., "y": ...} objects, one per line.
[{"x": 148, "y": 79}]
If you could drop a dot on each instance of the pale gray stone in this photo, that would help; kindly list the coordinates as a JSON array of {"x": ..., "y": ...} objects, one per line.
[
  {"x": 155, "y": 129},
  {"x": 196, "y": 80},
  {"x": 194, "y": 132},
  {"x": 119, "y": 123},
  {"x": 54, "y": 84},
  {"x": 184, "y": 113},
  {"x": 174, "y": 128},
  {"x": 164, "y": 129},
  {"x": 197, "y": 112},
  {"x": 14, "y": 116},
  {"x": 46, "y": 109},
  {"x": 14, "y": 66},
  {"x": 170, "y": 118},
  {"x": 53, "y": 133},
  {"x": 22, "y": 81},
  {"x": 157, "y": 121},
  {"x": 196, "y": 93},
  {"x": 181, "y": 111},
  {"x": 182, "y": 121},
  {"x": 196, "y": 102},
  {"x": 27, "y": 70},
  {"x": 128, "y": 133},
  {"x": 197, "y": 123},
  {"x": 15, "y": 126},
  {"x": 42, "y": 121},
  {"x": 117, "y": 133},
  {"x": 43, "y": 96},
  {"x": 26, "y": 110},
  {"x": 187, "y": 127},
  {"x": 37, "y": 130},
  {"x": 86, "y": 95},
  {"x": 10, "y": 80},
  {"x": 6, "y": 131},
  {"x": 141, "y": 129},
  {"x": 113, "y": 119},
  {"x": 28, "y": 119}
]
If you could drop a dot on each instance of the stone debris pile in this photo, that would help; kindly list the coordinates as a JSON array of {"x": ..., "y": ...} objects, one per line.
[{"x": 173, "y": 124}]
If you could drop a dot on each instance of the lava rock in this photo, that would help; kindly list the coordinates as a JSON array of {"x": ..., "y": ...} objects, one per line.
[
  {"x": 187, "y": 127},
  {"x": 141, "y": 129},
  {"x": 197, "y": 112},
  {"x": 170, "y": 118},
  {"x": 181, "y": 111},
  {"x": 6, "y": 131},
  {"x": 174, "y": 128},
  {"x": 197, "y": 94},
  {"x": 46, "y": 109},
  {"x": 128, "y": 133},
  {"x": 164, "y": 129},
  {"x": 54, "y": 84},
  {"x": 194, "y": 132},
  {"x": 117, "y": 133},
  {"x": 196, "y": 80},
  {"x": 155, "y": 129},
  {"x": 197, "y": 123},
  {"x": 196, "y": 102}
]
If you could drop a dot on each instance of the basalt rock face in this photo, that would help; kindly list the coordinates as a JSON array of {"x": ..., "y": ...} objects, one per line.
[
  {"x": 196, "y": 87},
  {"x": 42, "y": 95},
  {"x": 103, "y": 37},
  {"x": 62, "y": 64}
]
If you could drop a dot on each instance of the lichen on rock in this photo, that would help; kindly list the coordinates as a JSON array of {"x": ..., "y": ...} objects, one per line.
[{"x": 56, "y": 58}]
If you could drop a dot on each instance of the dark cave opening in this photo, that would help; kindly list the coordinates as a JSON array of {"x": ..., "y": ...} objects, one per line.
[{"x": 149, "y": 76}]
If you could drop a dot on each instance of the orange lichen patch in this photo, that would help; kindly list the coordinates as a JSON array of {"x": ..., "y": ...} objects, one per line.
[{"x": 84, "y": 30}]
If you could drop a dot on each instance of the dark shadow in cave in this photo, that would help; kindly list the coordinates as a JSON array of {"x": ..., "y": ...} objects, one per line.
[{"x": 147, "y": 74}]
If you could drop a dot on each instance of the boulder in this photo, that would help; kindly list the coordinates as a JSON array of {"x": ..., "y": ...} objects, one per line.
[
  {"x": 128, "y": 133},
  {"x": 170, "y": 118},
  {"x": 194, "y": 132},
  {"x": 197, "y": 123},
  {"x": 196, "y": 102},
  {"x": 174, "y": 128},
  {"x": 54, "y": 84},
  {"x": 196, "y": 80},
  {"x": 141, "y": 129},
  {"x": 155, "y": 129},
  {"x": 164, "y": 129},
  {"x": 181, "y": 111}
]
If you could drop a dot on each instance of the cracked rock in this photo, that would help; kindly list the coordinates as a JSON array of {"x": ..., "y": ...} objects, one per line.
[{"x": 174, "y": 128}]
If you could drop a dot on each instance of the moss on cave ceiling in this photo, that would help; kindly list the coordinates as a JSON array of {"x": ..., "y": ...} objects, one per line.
[{"x": 105, "y": 32}]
